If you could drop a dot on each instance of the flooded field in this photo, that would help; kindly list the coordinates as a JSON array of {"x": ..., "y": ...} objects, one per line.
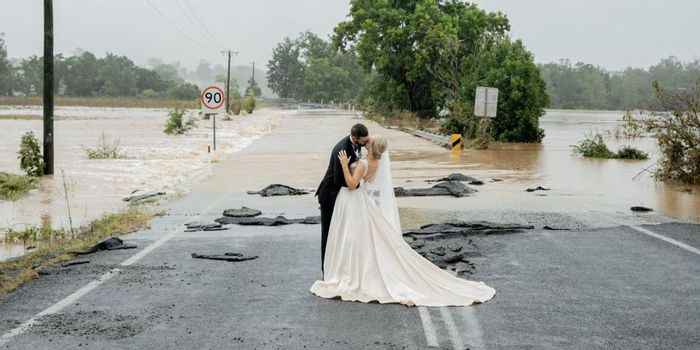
[{"x": 154, "y": 161}]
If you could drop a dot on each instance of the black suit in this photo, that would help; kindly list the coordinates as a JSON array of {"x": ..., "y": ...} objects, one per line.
[{"x": 330, "y": 187}]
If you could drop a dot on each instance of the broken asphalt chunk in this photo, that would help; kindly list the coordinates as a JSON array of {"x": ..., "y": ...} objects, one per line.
[
  {"x": 231, "y": 257},
  {"x": 279, "y": 190},
  {"x": 447, "y": 188}
]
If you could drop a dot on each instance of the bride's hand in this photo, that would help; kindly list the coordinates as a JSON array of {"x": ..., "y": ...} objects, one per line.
[{"x": 343, "y": 157}]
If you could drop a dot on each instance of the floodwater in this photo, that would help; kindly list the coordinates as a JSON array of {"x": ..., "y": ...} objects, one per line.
[
  {"x": 154, "y": 161},
  {"x": 174, "y": 164},
  {"x": 577, "y": 184}
]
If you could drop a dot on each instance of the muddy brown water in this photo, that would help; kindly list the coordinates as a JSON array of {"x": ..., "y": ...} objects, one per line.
[
  {"x": 577, "y": 184},
  {"x": 154, "y": 161}
]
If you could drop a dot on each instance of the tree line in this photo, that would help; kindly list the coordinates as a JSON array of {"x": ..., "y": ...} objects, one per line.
[
  {"x": 86, "y": 75},
  {"x": 586, "y": 86}
]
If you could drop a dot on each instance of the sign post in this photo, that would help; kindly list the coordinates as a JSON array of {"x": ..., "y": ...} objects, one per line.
[{"x": 213, "y": 101}]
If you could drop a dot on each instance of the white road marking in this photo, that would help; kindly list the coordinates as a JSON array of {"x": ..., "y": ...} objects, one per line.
[
  {"x": 428, "y": 328},
  {"x": 666, "y": 239},
  {"x": 60, "y": 305},
  {"x": 455, "y": 337},
  {"x": 473, "y": 334}
]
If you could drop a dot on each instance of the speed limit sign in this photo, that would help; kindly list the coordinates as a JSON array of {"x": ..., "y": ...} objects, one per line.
[{"x": 213, "y": 99}]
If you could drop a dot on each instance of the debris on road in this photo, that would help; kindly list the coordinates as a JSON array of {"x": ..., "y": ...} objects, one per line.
[
  {"x": 552, "y": 228},
  {"x": 139, "y": 197},
  {"x": 112, "y": 243},
  {"x": 75, "y": 262},
  {"x": 279, "y": 190},
  {"x": 198, "y": 226},
  {"x": 265, "y": 221},
  {"x": 447, "y": 188},
  {"x": 243, "y": 212},
  {"x": 456, "y": 177},
  {"x": 465, "y": 228},
  {"x": 231, "y": 257},
  {"x": 640, "y": 209},
  {"x": 538, "y": 188}
]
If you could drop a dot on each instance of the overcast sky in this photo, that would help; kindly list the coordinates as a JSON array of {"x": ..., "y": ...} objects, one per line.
[{"x": 611, "y": 33}]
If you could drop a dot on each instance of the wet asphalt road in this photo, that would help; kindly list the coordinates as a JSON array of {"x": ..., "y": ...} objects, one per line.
[{"x": 607, "y": 287}]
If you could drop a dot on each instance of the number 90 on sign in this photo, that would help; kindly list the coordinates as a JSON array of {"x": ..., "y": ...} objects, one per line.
[{"x": 212, "y": 99}]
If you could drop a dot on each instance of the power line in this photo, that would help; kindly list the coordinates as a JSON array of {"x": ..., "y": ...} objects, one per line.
[
  {"x": 175, "y": 25},
  {"x": 193, "y": 12}
]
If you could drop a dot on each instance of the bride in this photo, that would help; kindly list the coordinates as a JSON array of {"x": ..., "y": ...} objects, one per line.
[{"x": 367, "y": 258}]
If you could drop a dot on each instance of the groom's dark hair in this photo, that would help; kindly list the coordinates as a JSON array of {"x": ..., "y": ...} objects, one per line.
[{"x": 359, "y": 130}]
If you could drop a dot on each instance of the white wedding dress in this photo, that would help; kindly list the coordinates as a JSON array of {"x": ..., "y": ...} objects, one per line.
[{"x": 368, "y": 260}]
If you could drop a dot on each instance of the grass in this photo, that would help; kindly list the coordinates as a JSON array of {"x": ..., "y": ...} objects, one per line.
[
  {"x": 20, "y": 117},
  {"x": 594, "y": 147},
  {"x": 127, "y": 102},
  {"x": 57, "y": 246},
  {"x": 13, "y": 187}
]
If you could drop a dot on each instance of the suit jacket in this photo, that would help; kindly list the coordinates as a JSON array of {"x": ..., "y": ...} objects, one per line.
[{"x": 334, "y": 178}]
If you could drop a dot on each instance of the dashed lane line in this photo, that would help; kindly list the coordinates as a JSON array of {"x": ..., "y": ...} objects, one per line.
[
  {"x": 452, "y": 330},
  {"x": 428, "y": 327}
]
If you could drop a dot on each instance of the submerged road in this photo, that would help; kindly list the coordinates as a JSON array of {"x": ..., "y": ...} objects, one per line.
[{"x": 607, "y": 287}]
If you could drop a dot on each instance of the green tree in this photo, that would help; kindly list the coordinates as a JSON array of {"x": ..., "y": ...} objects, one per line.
[
  {"x": 253, "y": 89},
  {"x": 401, "y": 40},
  {"x": 82, "y": 78},
  {"x": 285, "y": 73},
  {"x": 7, "y": 74},
  {"x": 118, "y": 75}
]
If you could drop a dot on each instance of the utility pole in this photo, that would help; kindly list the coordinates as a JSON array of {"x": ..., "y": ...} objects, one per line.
[
  {"x": 48, "y": 87},
  {"x": 228, "y": 78}
]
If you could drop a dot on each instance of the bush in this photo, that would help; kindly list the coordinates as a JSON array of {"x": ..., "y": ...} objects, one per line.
[
  {"x": 30, "y": 158},
  {"x": 628, "y": 152},
  {"x": 176, "y": 125},
  {"x": 236, "y": 107},
  {"x": 249, "y": 104},
  {"x": 12, "y": 187},
  {"x": 105, "y": 149},
  {"x": 593, "y": 147},
  {"x": 678, "y": 134}
]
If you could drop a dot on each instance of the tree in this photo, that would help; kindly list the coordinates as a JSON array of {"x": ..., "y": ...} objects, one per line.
[
  {"x": 118, "y": 75},
  {"x": 7, "y": 73},
  {"x": 500, "y": 63},
  {"x": 285, "y": 73},
  {"x": 253, "y": 89},
  {"x": 82, "y": 78},
  {"x": 522, "y": 92},
  {"x": 311, "y": 68},
  {"x": 402, "y": 39}
]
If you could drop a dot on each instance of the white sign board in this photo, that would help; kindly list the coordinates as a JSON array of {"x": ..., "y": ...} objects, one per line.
[
  {"x": 213, "y": 99},
  {"x": 486, "y": 102}
]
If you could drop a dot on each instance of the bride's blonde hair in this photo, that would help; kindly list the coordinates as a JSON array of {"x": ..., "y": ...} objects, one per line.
[{"x": 378, "y": 146}]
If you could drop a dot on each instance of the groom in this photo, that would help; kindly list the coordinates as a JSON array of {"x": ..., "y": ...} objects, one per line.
[{"x": 333, "y": 180}]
